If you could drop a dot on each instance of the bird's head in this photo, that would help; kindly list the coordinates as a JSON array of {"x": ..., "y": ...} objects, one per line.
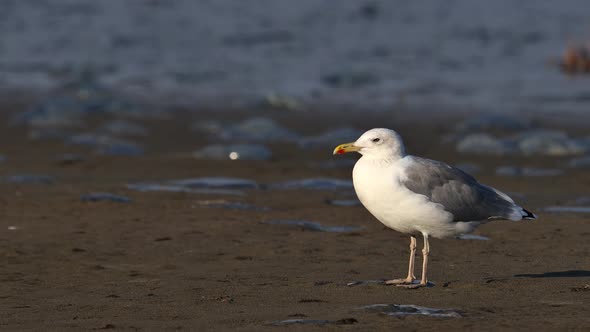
[{"x": 378, "y": 142}]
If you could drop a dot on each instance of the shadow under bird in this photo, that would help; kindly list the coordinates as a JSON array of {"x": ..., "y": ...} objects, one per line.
[{"x": 414, "y": 195}]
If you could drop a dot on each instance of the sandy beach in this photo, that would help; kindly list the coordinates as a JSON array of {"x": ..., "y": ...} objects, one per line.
[{"x": 179, "y": 261}]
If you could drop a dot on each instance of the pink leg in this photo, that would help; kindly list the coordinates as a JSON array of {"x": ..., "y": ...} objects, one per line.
[
  {"x": 410, "y": 278},
  {"x": 424, "y": 279}
]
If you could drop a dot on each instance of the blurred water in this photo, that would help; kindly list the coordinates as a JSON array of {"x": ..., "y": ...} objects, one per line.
[
  {"x": 411, "y": 310},
  {"x": 103, "y": 196},
  {"x": 320, "y": 322},
  {"x": 314, "y": 226},
  {"x": 313, "y": 184},
  {"x": 485, "y": 55},
  {"x": 29, "y": 179}
]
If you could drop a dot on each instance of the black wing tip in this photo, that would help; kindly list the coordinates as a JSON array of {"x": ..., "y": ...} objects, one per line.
[{"x": 529, "y": 215}]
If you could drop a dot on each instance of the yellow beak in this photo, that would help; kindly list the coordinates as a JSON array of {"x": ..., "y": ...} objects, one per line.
[{"x": 344, "y": 148}]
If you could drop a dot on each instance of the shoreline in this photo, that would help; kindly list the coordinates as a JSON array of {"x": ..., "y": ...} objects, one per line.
[{"x": 214, "y": 260}]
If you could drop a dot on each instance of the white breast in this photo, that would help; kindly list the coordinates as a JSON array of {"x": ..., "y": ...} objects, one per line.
[{"x": 378, "y": 187}]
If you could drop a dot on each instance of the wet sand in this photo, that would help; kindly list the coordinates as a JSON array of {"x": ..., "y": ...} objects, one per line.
[{"x": 165, "y": 262}]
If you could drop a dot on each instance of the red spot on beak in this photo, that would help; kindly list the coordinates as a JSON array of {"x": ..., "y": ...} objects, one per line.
[{"x": 341, "y": 151}]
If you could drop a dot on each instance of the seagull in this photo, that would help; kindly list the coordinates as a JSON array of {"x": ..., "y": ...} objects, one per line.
[{"x": 414, "y": 195}]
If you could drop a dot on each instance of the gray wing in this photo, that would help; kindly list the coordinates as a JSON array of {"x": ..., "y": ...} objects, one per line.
[{"x": 458, "y": 192}]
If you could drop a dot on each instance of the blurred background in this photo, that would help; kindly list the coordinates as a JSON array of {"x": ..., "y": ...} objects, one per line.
[{"x": 492, "y": 56}]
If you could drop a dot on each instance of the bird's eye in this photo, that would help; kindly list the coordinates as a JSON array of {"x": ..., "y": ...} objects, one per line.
[{"x": 376, "y": 140}]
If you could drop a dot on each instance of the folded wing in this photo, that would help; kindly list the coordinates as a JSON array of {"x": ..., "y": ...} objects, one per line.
[{"x": 458, "y": 192}]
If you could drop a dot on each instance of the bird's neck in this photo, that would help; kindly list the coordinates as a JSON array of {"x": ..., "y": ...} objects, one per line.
[{"x": 383, "y": 159}]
